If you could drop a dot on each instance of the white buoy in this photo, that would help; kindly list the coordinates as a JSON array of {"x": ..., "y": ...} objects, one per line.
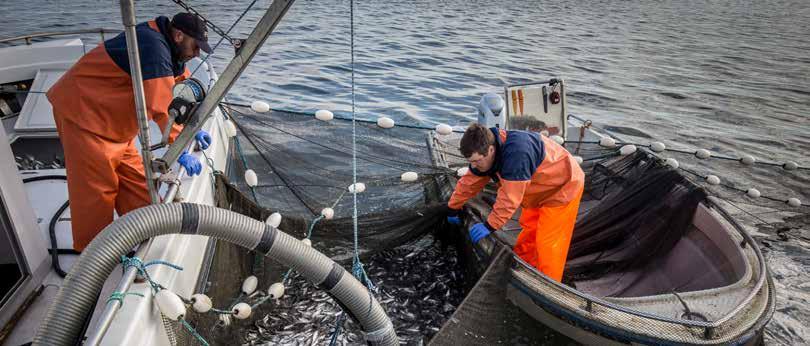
[
  {"x": 713, "y": 179},
  {"x": 444, "y": 129},
  {"x": 790, "y": 165},
  {"x": 307, "y": 242},
  {"x": 658, "y": 147},
  {"x": 607, "y": 142},
  {"x": 276, "y": 290},
  {"x": 672, "y": 163},
  {"x": 170, "y": 305},
  {"x": 794, "y": 202},
  {"x": 558, "y": 139},
  {"x": 241, "y": 311},
  {"x": 250, "y": 178},
  {"x": 249, "y": 285},
  {"x": 324, "y": 115},
  {"x": 578, "y": 159},
  {"x": 627, "y": 150},
  {"x": 703, "y": 154},
  {"x": 260, "y": 106},
  {"x": 201, "y": 303},
  {"x": 753, "y": 193},
  {"x": 385, "y": 122},
  {"x": 360, "y": 187},
  {"x": 462, "y": 171},
  {"x": 409, "y": 177},
  {"x": 230, "y": 128},
  {"x": 274, "y": 220},
  {"x": 328, "y": 213},
  {"x": 748, "y": 160},
  {"x": 544, "y": 133}
]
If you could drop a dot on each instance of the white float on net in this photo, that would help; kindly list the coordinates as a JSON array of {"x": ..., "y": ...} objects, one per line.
[
  {"x": 462, "y": 171},
  {"x": 249, "y": 285},
  {"x": 328, "y": 213},
  {"x": 276, "y": 290},
  {"x": 260, "y": 106},
  {"x": 444, "y": 129},
  {"x": 201, "y": 303},
  {"x": 274, "y": 220},
  {"x": 790, "y": 165},
  {"x": 250, "y": 178},
  {"x": 627, "y": 150},
  {"x": 230, "y": 128},
  {"x": 360, "y": 187},
  {"x": 607, "y": 142},
  {"x": 385, "y": 122},
  {"x": 409, "y": 177},
  {"x": 241, "y": 311},
  {"x": 794, "y": 202},
  {"x": 324, "y": 115},
  {"x": 558, "y": 139},
  {"x": 753, "y": 193},
  {"x": 170, "y": 305},
  {"x": 307, "y": 242},
  {"x": 713, "y": 179},
  {"x": 748, "y": 159},
  {"x": 703, "y": 154},
  {"x": 658, "y": 147},
  {"x": 672, "y": 163}
]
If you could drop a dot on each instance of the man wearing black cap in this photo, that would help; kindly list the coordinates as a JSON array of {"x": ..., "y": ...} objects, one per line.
[{"x": 94, "y": 109}]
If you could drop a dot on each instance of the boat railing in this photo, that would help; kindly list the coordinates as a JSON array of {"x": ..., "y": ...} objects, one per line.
[{"x": 29, "y": 37}]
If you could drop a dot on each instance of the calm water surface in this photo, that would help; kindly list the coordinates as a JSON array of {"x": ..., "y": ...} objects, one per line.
[{"x": 729, "y": 76}]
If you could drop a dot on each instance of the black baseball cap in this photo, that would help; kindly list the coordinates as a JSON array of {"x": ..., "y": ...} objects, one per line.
[{"x": 193, "y": 26}]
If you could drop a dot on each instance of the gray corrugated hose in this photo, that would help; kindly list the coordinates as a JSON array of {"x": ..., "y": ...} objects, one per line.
[{"x": 67, "y": 313}]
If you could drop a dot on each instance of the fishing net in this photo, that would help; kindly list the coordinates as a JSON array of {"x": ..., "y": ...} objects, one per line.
[{"x": 305, "y": 165}]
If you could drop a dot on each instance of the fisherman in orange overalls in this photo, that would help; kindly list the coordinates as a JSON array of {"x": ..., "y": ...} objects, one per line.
[
  {"x": 94, "y": 109},
  {"x": 533, "y": 172}
]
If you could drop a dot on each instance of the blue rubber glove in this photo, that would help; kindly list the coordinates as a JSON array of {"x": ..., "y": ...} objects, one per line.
[
  {"x": 190, "y": 163},
  {"x": 452, "y": 217},
  {"x": 478, "y": 232},
  {"x": 203, "y": 139}
]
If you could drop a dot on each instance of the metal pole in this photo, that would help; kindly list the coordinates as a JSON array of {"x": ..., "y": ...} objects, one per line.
[
  {"x": 225, "y": 81},
  {"x": 128, "y": 16}
]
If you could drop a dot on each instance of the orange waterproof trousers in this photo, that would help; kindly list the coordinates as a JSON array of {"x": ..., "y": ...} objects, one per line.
[
  {"x": 546, "y": 236},
  {"x": 103, "y": 176}
]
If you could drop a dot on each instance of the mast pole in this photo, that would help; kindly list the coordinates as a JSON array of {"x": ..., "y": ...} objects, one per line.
[{"x": 128, "y": 17}]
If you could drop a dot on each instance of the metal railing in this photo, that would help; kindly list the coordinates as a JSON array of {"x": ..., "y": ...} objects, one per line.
[{"x": 28, "y": 38}]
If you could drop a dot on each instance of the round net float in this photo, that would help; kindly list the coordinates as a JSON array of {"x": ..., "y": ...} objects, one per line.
[
  {"x": 462, "y": 171},
  {"x": 324, "y": 115},
  {"x": 307, "y": 242},
  {"x": 230, "y": 128},
  {"x": 607, "y": 142},
  {"x": 170, "y": 305},
  {"x": 360, "y": 187},
  {"x": 790, "y": 165},
  {"x": 627, "y": 150},
  {"x": 672, "y": 163},
  {"x": 241, "y": 311},
  {"x": 201, "y": 303},
  {"x": 409, "y": 177},
  {"x": 748, "y": 160},
  {"x": 444, "y": 129},
  {"x": 274, "y": 220},
  {"x": 703, "y": 154},
  {"x": 249, "y": 285},
  {"x": 713, "y": 179},
  {"x": 328, "y": 213},
  {"x": 658, "y": 147},
  {"x": 544, "y": 133},
  {"x": 578, "y": 159},
  {"x": 260, "y": 106},
  {"x": 558, "y": 139},
  {"x": 385, "y": 122},
  {"x": 794, "y": 202},
  {"x": 276, "y": 290},
  {"x": 250, "y": 178},
  {"x": 753, "y": 193}
]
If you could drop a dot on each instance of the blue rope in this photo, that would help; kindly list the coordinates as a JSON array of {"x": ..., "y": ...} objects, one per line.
[
  {"x": 136, "y": 262},
  {"x": 119, "y": 296},
  {"x": 193, "y": 332}
]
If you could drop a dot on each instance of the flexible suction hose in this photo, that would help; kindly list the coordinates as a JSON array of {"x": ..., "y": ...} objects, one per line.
[{"x": 66, "y": 315}]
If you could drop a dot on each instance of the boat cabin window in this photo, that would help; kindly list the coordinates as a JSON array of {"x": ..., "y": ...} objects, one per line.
[{"x": 11, "y": 270}]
